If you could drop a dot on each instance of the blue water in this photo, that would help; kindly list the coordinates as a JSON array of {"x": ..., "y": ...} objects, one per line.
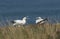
[{"x": 16, "y": 9}]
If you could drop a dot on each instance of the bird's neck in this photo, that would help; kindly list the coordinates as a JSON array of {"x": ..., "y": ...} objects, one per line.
[{"x": 24, "y": 19}]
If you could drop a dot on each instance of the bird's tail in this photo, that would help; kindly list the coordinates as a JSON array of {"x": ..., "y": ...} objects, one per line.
[{"x": 12, "y": 22}]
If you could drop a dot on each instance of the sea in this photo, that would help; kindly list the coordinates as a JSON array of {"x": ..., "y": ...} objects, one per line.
[{"x": 17, "y": 9}]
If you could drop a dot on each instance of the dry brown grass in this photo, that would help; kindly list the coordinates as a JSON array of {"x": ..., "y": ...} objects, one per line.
[{"x": 46, "y": 31}]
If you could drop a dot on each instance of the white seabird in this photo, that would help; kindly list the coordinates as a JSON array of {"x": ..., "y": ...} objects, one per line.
[
  {"x": 19, "y": 22},
  {"x": 39, "y": 20}
]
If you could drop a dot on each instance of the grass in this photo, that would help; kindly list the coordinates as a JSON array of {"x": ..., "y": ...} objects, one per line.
[{"x": 32, "y": 31}]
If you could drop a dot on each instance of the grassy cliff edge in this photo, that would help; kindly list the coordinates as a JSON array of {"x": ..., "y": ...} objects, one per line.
[{"x": 46, "y": 31}]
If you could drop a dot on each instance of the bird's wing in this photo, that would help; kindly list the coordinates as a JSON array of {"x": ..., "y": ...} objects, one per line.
[
  {"x": 17, "y": 21},
  {"x": 43, "y": 20},
  {"x": 38, "y": 20}
]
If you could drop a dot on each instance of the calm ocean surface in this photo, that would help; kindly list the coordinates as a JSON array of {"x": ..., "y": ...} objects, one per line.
[{"x": 16, "y": 9}]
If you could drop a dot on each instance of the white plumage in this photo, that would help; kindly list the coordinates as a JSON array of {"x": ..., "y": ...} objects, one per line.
[
  {"x": 40, "y": 20},
  {"x": 20, "y": 22}
]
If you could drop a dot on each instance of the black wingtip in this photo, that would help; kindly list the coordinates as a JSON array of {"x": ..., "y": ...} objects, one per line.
[{"x": 46, "y": 19}]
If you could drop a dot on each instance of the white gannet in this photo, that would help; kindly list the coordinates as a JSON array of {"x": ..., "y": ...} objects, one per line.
[
  {"x": 19, "y": 22},
  {"x": 39, "y": 20}
]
